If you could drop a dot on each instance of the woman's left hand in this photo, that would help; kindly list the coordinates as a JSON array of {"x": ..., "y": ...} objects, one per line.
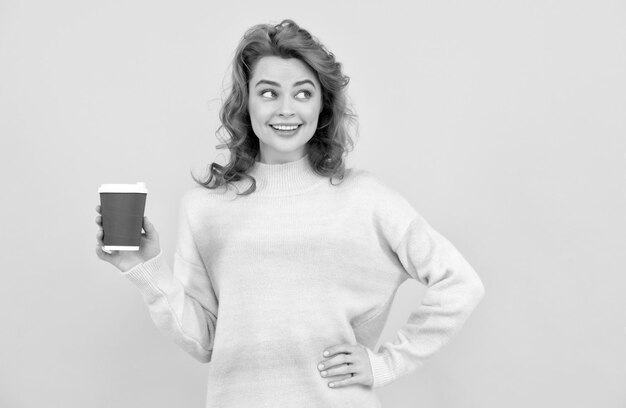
[{"x": 347, "y": 359}]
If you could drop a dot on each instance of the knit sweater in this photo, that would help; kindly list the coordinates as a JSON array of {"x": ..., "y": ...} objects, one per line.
[{"x": 262, "y": 284}]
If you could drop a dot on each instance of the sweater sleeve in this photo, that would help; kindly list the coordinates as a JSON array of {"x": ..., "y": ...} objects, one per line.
[
  {"x": 181, "y": 301},
  {"x": 453, "y": 291}
]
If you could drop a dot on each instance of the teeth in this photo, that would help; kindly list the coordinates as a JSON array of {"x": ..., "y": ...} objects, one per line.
[{"x": 283, "y": 127}]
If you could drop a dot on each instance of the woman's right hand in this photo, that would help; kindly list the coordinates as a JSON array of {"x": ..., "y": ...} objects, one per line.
[{"x": 149, "y": 247}]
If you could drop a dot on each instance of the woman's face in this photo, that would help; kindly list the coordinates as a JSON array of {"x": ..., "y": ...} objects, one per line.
[{"x": 283, "y": 92}]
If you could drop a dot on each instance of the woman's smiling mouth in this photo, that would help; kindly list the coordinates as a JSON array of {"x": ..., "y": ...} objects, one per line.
[
  {"x": 285, "y": 126},
  {"x": 286, "y": 129}
]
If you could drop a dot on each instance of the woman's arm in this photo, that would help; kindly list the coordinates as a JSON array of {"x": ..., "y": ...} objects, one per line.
[
  {"x": 181, "y": 302},
  {"x": 454, "y": 290}
]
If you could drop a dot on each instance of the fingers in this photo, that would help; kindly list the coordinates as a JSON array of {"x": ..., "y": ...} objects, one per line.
[
  {"x": 347, "y": 368},
  {"x": 102, "y": 254},
  {"x": 336, "y": 360},
  {"x": 99, "y": 234},
  {"x": 99, "y": 216},
  {"x": 348, "y": 380},
  {"x": 147, "y": 226},
  {"x": 151, "y": 232},
  {"x": 346, "y": 363},
  {"x": 343, "y": 376},
  {"x": 100, "y": 251},
  {"x": 100, "y": 243}
]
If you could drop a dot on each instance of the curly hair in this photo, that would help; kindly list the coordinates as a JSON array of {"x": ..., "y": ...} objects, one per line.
[{"x": 331, "y": 141}]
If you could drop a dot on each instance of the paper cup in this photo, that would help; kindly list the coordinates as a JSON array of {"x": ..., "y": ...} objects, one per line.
[{"x": 122, "y": 208}]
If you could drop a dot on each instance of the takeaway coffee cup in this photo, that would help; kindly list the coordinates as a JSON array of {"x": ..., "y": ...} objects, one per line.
[{"x": 122, "y": 207}]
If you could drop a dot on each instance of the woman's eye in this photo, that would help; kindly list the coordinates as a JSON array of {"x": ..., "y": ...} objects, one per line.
[
  {"x": 308, "y": 94},
  {"x": 266, "y": 91}
]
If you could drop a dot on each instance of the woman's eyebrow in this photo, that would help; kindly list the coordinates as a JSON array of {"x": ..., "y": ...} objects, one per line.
[{"x": 267, "y": 81}]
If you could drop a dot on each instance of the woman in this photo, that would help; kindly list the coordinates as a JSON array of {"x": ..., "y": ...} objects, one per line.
[{"x": 281, "y": 279}]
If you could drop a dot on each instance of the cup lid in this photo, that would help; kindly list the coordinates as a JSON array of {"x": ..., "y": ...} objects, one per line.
[{"x": 139, "y": 187}]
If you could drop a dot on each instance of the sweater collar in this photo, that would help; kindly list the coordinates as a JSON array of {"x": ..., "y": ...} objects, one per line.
[{"x": 284, "y": 178}]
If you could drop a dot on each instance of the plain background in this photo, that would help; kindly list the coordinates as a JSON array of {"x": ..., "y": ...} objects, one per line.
[{"x": 502, "y": 122}]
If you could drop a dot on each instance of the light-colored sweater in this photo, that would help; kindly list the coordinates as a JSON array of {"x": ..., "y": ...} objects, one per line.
[{"x": 262, "y": 284}]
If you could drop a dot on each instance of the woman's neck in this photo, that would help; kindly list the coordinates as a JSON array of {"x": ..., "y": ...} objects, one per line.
[{"x": 284, "y": 178}]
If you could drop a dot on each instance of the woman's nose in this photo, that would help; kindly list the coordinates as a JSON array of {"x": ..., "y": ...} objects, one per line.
[{"x": 285, "y": 108}]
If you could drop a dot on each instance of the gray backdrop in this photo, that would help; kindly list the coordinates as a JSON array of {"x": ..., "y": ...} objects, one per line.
[{"x": 502, "y": 122}]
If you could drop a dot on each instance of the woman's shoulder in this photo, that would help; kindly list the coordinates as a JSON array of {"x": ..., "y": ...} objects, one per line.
[
  {"x": 366, "y": 179},
  {"x": 387, "y": 199},
  {"x": 361, "y": 176},
  {"x": 202, "y": 196}
]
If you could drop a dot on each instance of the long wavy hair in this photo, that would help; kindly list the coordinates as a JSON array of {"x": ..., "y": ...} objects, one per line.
[{"x": 331, "y": 141}]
